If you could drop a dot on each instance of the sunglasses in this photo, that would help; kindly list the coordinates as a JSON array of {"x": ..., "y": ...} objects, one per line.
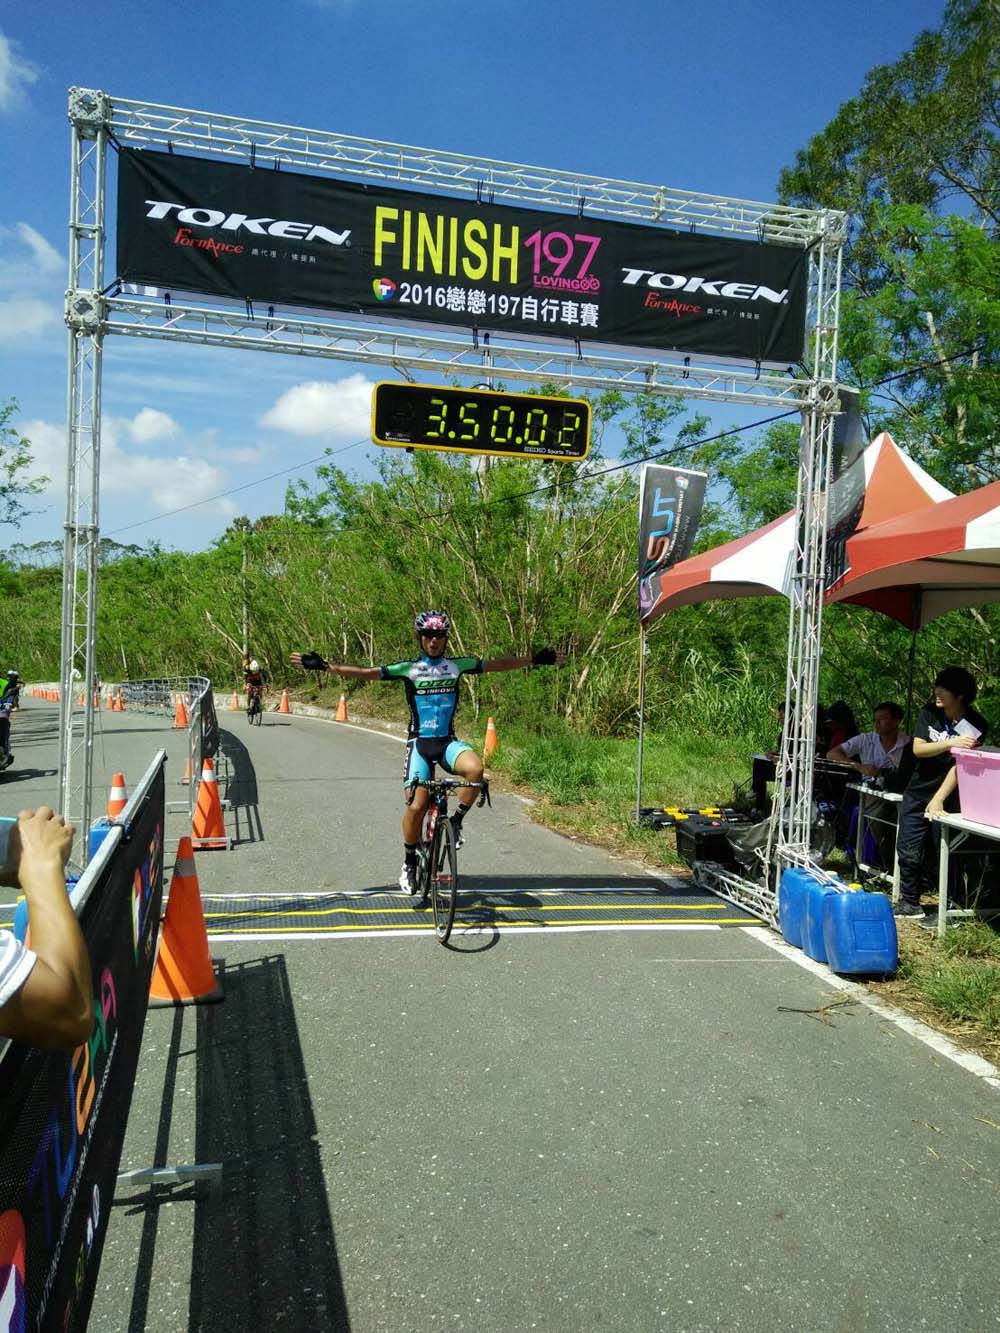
[{"x": 434, "y": 634}]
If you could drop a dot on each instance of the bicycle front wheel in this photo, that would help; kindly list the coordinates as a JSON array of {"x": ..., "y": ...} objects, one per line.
[{"x": 444, "y": 878}]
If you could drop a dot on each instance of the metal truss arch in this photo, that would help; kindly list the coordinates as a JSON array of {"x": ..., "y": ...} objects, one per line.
[{"x": 97, "y": 119}]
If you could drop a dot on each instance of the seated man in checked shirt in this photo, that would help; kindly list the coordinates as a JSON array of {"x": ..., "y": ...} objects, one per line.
[{"x": 874, "y": 754}]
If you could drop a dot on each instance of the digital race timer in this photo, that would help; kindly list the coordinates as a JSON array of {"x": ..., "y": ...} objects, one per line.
[{"x": 480, "y": 421}]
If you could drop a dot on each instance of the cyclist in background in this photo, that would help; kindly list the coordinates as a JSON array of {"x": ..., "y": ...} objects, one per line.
[
  {"x": 10, "y": 686},
  {"x": 253, "y": 681},
  {"x": 431, "y": 684}
]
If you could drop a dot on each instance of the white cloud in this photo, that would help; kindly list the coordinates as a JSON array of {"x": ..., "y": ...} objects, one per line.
[
  {"x": 26, "y": 317},
  {"x": 340, "y": 409},
  {"x": 150, "y": 482},
  {"x": 243, "y": 453},
  {"x": 30, "y": 269},
  {"x": 150, "y": 424},
  {"x": 16, "y": 74},
  {"x": 47, "y": 257}
]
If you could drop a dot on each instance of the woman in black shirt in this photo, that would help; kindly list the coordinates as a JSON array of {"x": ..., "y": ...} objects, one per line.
[{"x": 948, "y": 721}]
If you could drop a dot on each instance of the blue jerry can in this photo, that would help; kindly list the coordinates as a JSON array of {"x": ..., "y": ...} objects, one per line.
[
  {"x": 859, "y": 933},
  {"x": 791, "y": 903},
  {"x": 814, "y": 896}
]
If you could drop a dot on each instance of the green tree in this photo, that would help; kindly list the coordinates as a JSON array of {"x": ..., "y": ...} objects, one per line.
[
  {"x": 914, "y": 160},
  {"x": 15, "y": 460}
]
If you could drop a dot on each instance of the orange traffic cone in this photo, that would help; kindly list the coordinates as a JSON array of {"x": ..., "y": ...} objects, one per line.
[
  {"x": 180, "y": 713},
  {"x": 491, "y": 738},
  {"x": 186, "y": 779},
  {"x": 117, "y": 797},
  {"x": 80, "y": 700},
  {"x": 207, "y": 824},
  {"x": 283, "y": 706},
  {"x": 234, "y": 703},
  {"x": 121, "y": 701},
  {"x": 342, "y": 709},
  {"x": 184, "y": 973},
  {"x": 97, "y": 702}
]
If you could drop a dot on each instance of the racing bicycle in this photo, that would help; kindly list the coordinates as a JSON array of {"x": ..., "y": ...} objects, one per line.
[
  {"x": 437, "y": 855},
  {"x": 255, "y": 709}
]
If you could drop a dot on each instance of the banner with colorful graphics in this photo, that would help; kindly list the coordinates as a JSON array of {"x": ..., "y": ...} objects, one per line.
[
  {"x": 845, "y": 499},
  {"x": 670, "y": 501},
  {"x": 284, "y": 238},
  {"x": 63, "y": 1116}
]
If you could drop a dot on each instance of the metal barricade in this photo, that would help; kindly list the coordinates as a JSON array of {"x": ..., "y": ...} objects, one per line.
[{"x": 160, "y": 695}]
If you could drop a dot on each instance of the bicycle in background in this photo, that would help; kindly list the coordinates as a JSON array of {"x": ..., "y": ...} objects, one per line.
[
  {"x": 437, "y": 856},
  {"x": 255, "y": 706}
]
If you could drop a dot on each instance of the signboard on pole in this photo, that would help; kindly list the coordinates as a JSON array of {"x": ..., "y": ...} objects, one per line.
[
  {"x": 670, "y": 502},
  {"x": 255, "y": 233},
  {"x": 63, "y": 1115}
]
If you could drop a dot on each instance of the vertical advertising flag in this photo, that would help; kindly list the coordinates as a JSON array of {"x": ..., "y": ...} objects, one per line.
[
  {"x": 670, "y": 501},
  {"x": 846, "y": 498}
]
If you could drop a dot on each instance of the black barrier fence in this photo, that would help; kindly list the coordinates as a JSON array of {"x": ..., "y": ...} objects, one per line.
[{"x": 63, "y": 1116}]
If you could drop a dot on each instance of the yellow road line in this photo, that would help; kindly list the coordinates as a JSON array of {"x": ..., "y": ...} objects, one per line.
[{"x": 499, "y": 906}]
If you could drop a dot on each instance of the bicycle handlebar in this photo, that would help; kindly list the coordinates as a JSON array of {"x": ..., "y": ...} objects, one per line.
[{"x": 450, "y": 784}]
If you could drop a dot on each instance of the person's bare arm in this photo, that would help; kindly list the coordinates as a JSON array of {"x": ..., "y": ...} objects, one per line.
[
  {"x": 935, "y": 806},
  {"x": 514, "y": 663},
  {"x": 929, "y": 749},
  {"x": 335, "y": 669},
  {"x": 54, "y": 1009}
]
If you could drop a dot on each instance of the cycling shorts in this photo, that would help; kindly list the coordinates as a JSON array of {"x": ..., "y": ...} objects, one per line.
[{"x": 423, "y": 752}]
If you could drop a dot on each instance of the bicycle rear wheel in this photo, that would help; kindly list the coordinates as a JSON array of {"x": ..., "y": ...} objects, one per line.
[{"x": 444, "y": 878}]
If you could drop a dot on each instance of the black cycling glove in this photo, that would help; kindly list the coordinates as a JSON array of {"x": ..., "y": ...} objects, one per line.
[
  {"x": 313, "y": 662},
  {"x": 544, "y": 657}
]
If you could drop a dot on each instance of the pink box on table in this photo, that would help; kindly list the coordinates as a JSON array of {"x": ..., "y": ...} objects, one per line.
[{"x": 979, "y": 785}]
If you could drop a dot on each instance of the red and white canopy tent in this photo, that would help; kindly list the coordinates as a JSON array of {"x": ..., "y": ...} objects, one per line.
[
  {"x": 761, "y": 563},
  {"x": 915, "y": 567}
]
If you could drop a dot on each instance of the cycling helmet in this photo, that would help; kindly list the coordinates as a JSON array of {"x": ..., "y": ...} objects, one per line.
[
  {"x": 254, "y": 665},
  {"x": 427, "y": 621},
  {"x": 13, "y": 675}
]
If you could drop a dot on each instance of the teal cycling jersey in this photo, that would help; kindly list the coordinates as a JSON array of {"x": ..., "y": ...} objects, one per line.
[{"x": 431, "y": 685}]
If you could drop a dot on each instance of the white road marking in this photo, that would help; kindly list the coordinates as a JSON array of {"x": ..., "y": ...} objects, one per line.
[
  {"x": 372, "y": 731},
  {"x": 937, "y": 1041}
]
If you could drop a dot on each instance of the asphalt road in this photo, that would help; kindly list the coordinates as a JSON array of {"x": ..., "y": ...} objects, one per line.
[{"x": 555, "y": 1129}]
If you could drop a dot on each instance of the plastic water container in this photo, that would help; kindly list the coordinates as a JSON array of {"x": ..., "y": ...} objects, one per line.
[
  {"x": 99, "y": 830},
  {"x": 813, "y": 898},
  {"x": 979, "y": 785},
  {"x": 859, "y": 933},
  {"x": 791, "y": 903}
]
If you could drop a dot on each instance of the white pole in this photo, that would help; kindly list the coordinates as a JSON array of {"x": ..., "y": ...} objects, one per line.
[{"x": 643, "y": 650}]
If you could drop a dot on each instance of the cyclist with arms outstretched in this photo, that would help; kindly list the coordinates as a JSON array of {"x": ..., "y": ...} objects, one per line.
[{"x": 431, "y": 684}]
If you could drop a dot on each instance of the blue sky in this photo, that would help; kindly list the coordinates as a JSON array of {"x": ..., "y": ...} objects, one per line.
[{"x": 713, "y": 96}]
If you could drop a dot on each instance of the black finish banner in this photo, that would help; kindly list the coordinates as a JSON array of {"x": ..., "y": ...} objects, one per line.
[
  {"x": 63, "y": 1117},
  {"x": 254, "y": 233},
  {"x": 670, "y": 501}
]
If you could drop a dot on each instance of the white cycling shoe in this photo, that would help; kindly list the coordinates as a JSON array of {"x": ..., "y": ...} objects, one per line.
[{"x": 408, "y": 879}]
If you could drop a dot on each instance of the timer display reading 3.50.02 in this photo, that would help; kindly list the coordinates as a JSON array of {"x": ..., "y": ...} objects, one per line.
[{"x": 480, "y": 421}]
